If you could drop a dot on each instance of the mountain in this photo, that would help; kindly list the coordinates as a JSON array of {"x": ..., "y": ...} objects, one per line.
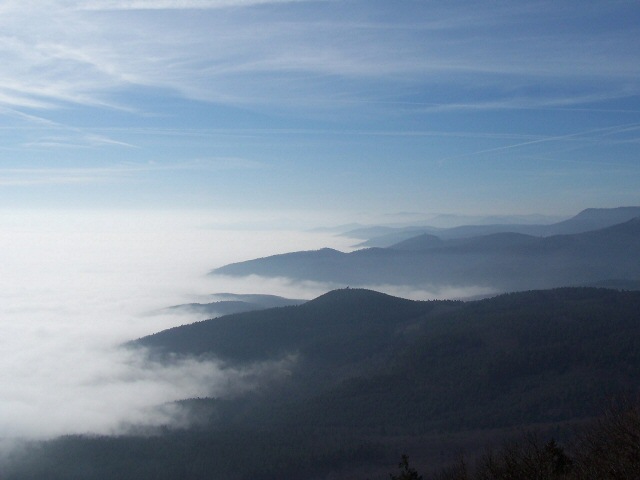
[
  {"x": 354, "y": 340},
  {"x": 396, "y": 236},
  {"x": 419, "y": 243},
  {"x": 449, "y": 220},
  {"x": 258, "y": 299},
  {"x": 235, "y": 303},
  {"x": 328, "y": 323},
  {"x": 374, "y": 375},
  {"x": 596, "y": 218},
  {"x": 589, "y": 219},
  {"x": 501, "y": 261},
  {"x": 379, "y": 231},
  {"x": 291, "y": 265}
]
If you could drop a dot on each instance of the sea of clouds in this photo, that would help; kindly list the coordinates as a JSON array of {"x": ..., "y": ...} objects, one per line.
[{"x": 77, "y": 285}]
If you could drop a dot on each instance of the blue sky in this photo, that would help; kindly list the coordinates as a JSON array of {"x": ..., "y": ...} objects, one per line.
[{"x": 342, "y": 106}]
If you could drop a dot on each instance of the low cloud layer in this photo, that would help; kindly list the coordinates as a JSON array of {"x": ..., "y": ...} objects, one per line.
[{"x": 76, "y": 286}]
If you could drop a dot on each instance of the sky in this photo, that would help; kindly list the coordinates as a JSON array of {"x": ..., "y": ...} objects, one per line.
[{"x": 338, "y": 108}]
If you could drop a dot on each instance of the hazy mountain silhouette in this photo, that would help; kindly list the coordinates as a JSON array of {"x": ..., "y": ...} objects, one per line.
[
  {"x": 589, "y": 219},
  {"x": 503, "y": 261},
  {"x": 382, "y": 232},
  {"x": 229, "y": 303},
  {"x": 596, "y": 218},
  {"x": 419, "y": 243}
]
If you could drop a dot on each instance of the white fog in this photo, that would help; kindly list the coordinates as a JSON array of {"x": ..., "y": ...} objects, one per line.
[{"x": 76, "y": 285}]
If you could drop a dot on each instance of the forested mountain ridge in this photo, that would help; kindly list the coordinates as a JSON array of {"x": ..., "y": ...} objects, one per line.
[
  {"x": 340, "y": 317},
  {"x": 375, "y": 375},
  {"x": 501, "y": 261},
  {"x": 582, "y": 341}
]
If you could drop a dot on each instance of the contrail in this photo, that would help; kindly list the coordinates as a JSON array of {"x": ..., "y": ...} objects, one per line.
[{"x": 602, "y": 131}]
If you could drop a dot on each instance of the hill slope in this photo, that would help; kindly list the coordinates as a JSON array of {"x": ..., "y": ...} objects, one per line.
[
  {"x": 424, "y": 376},
  {"x": 540, "y": 355},
  {"x": 324, "y": 330}
]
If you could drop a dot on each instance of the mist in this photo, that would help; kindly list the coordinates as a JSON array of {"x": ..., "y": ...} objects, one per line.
[{"x": 77, "y": 285}]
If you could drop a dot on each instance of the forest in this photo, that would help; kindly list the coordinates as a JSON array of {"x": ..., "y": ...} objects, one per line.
[{"x": 375, "y": 377}]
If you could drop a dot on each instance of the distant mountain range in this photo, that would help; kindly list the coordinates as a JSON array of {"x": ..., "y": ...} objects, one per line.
[
  {"x": 504, "y": 261},
  {"x": 372, "y": 376},
  {"x": 440, "y": 223},
  {"x": 589, "y": 219}
]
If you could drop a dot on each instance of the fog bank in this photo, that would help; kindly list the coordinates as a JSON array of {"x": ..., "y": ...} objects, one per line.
[{"x": 76, "y": 285}]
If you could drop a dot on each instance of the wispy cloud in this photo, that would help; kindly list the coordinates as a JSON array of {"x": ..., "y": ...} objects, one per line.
[
  {"x": 109, "y": 75},
  {"x": 14, "y": 177},
  {"x": 590, "y": 136},
  {"x": 45, "y": 134},
  {"x": 80, "y": 141},
  {"x": 20, "y": 177},
  {"x": 557, "y": 103},
  {"x": 313, "y": 54},
  {"x": 174, "y": 4}
]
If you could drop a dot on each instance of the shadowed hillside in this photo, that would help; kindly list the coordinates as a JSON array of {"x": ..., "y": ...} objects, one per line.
[{"x": 375, "y": 375}]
